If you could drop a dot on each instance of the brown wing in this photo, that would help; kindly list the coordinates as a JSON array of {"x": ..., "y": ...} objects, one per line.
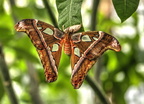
[
  {"x": 47, "y": 41},
  {"x": 86, "y": 48}
]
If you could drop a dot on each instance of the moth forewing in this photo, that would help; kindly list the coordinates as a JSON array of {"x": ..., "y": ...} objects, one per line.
[
  {"x": 58, "y": 34},
  {"x": 42, "y": 36},
  {"x": 76, "y": 37},
  {"x": 93, "y": 44}
]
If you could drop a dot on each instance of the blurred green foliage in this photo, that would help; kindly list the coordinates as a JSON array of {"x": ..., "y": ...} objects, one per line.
[{"x": 118, "y": 71}]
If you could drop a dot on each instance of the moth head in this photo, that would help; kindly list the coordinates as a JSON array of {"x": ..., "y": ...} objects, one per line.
[
  {"x": 23, "y": 25},
  {"x": 73, "y": 29}
]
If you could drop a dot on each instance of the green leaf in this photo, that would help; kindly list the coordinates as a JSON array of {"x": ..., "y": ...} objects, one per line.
[
  {"x": 125, "y": 8},
  {"x": 69, "y": 12}
]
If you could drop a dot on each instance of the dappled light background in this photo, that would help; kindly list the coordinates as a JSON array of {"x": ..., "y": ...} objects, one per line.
[{"x": 119, "y": 74}]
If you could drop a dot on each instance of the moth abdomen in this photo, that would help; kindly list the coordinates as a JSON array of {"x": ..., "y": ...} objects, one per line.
[{"x": 67, "y": 49}]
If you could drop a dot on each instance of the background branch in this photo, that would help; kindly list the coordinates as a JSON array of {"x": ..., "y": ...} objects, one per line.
[
  {"x": 34, "y": 85},
  {"x": 6, "y": 79},
  {"x": 34, "y": 91}
]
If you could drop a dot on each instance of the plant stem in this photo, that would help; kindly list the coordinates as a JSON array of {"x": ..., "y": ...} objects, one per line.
[
  {"x": 93, "y": 84},
  {"x": 94, "y": 14},
  {"x": 49, "y": 11},
  {"x": 97, "y": 90},
  {"x": 6, "y": 79}
]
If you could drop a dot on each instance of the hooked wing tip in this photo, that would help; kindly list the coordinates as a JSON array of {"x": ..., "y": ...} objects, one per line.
[
  {"x": 115, "y": 45},
  {"x": 16, "y": 26},
  {"x": 20, "y": 26}
]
